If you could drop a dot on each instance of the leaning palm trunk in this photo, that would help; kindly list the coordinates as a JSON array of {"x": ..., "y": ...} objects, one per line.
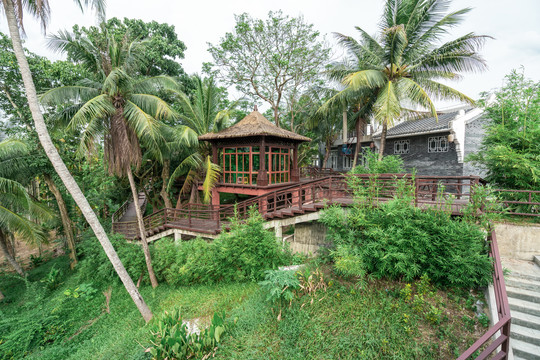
[
  {"x": 11, "y": 260},
  {"x": 66, "y": 221},
  {"x": 142, "y": 231},
  {"x": 61, "y": 168}
]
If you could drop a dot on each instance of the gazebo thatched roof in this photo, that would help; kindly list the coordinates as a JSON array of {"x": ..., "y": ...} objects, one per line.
[{"x": 254, "y": 124}]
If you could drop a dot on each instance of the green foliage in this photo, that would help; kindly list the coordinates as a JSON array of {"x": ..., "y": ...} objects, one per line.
[
  {"x": 399, "y": 241},
  {"x": 242, "y": 254},
  {"x": 390, "y": 164},
  {"x": 279, "y": 73},
  {"x": 163, "y": 48},
  {"x": 510, "y": 151},
  {"x": 279, "y": 286},
  {"x": 53, "y": 278},
  {"x": 483, "y": 319},
  {"x": 171, "y": 338},
  {"x": 94, "y": 266},
  {"x": 84, "y": 291}
]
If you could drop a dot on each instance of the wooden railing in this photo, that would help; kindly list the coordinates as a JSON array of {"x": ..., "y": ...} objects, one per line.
[
  {"x": 295, "y": 196},
  {"x": 532, "y": 203},
  {"x": 500, "y": 345},
  {"x": 317, "y": 172},
  {"x": 428, "y": 189}
]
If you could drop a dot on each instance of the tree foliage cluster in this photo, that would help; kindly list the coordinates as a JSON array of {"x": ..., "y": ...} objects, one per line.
[
  {"x": 510, "y": 150},
  {"x": 243, "y": 254},
  {"x": 396, "y": 240}
]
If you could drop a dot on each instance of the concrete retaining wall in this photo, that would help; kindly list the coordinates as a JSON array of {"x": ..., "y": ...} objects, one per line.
[
  {"x": 520, "y": 242},
  {"x": 308, "y": 237}
]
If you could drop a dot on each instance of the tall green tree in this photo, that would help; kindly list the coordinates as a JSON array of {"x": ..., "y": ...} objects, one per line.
[
  {"x": 163, "y": 49},
  {"x": 202, "y": 112},
  {"x": 510, "y": 150},
  {"x": 403, "y": 64},
  {"x": 116, "y": 107},
  {"x": 14, "y": 10},
  {"x": 270, "y": 60}
]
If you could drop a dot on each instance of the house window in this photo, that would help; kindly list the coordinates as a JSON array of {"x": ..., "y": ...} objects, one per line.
[
  {"x": 401, "y": 146},
  {"x": 332, "y": 160},
  {"x": 347, "y": 162},
  {"x": 438, "y": 144}
]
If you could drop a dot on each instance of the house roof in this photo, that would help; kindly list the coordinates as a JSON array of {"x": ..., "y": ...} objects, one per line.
[
  {"x": 425, "y": 125},
  {"x": 254, "y": 124}
]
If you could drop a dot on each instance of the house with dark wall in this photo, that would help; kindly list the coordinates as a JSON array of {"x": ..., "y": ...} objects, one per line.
[
  {"x": 438, "y": 146},
  {"x": 429, "y": 145}
]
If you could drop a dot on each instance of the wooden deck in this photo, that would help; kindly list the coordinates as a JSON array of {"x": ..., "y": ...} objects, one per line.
[{"x": 304, "y": 197}]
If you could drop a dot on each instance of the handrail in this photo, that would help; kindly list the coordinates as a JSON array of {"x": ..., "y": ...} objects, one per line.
[
  {"x": 530, "y": 202},
  {"x": 503, "y": 312}
]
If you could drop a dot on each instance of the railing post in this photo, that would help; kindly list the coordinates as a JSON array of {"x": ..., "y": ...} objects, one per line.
[
  {"x": 416, "y": 189},
  {"x": 189, "y": 215},
  {"x": 217, "y": 217}
]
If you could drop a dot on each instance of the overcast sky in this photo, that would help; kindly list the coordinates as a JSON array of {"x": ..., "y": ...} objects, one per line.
[{"x": 513, "y": 24}]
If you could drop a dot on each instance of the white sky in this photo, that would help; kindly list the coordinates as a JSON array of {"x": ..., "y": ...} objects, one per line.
[{"x": 513, "y": 24}]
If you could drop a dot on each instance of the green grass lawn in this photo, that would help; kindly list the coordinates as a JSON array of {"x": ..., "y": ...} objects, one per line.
[{"x": 379, "y": 320}]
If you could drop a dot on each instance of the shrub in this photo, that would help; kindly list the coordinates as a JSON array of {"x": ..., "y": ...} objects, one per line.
[
  {"x": 390, "y": 164},
  {"x": 242, "y": 254},
  {"x": 398, "y": 241},
  {"x": 279, "y": 287},
  {"x": 171, "y": 338},
  {"x": 94, "y": 265}
]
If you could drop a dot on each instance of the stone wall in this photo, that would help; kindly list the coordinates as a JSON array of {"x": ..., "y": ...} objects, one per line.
[
  {"x": 425, "y": 163},
  {"x": 474, "y": 133}
]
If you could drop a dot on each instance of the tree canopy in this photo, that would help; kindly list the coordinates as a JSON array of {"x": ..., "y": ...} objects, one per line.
[
  {"x": 270, "y": 60},
  {"x": 510, "y": 150}
]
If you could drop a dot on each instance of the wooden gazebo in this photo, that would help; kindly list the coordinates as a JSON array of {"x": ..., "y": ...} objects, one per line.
[{"x": 255, "y": 156}]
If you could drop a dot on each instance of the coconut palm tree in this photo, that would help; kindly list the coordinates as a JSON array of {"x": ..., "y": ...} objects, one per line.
[
  {"x": 402, "y": 65},
  {"x": 17, "y": 208},
  {"x": 116, "y": 107},
  {"x": 14, "y": 11},
  {"x": 202, "y": 113}
]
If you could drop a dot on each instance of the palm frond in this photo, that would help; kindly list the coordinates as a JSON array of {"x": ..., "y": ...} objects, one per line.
[
  {"x": 371, "y": 79},
  {"x": 145, "y": 127},
  {"x": 64, "y": 94},
  {"x": 387, "y": 106},
  {"x": 153, "y": 84},
  {"x": 211, "y": 178},
  {"x": 99, "y": 107},
  {"x": 410, "y": 89},
  {"x": 153, "y": 105},
  {"x": 191, "y": 163},
  {"x": 444, "y": 92}
]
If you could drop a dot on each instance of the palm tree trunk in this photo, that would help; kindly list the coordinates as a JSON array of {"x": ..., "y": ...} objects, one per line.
[
  {"x": 142, "y": 231},
  {"x": 165, "y": 178},
  {"x": 1, "y": 296},
  {"x": 328, "y": 147},
  {"x": 61, "y": 169},
  {"x": 64, "y": 215},
  {"x": 8, "y": 256},
  {"x": 357, "y": 147},
  {"x": 383, "y": 140}
]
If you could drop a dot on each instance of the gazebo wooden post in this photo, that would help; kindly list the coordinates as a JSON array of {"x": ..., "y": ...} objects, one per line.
[
  {"x": 295, "y": 173},
  {"x": 262, "y": 176}
]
